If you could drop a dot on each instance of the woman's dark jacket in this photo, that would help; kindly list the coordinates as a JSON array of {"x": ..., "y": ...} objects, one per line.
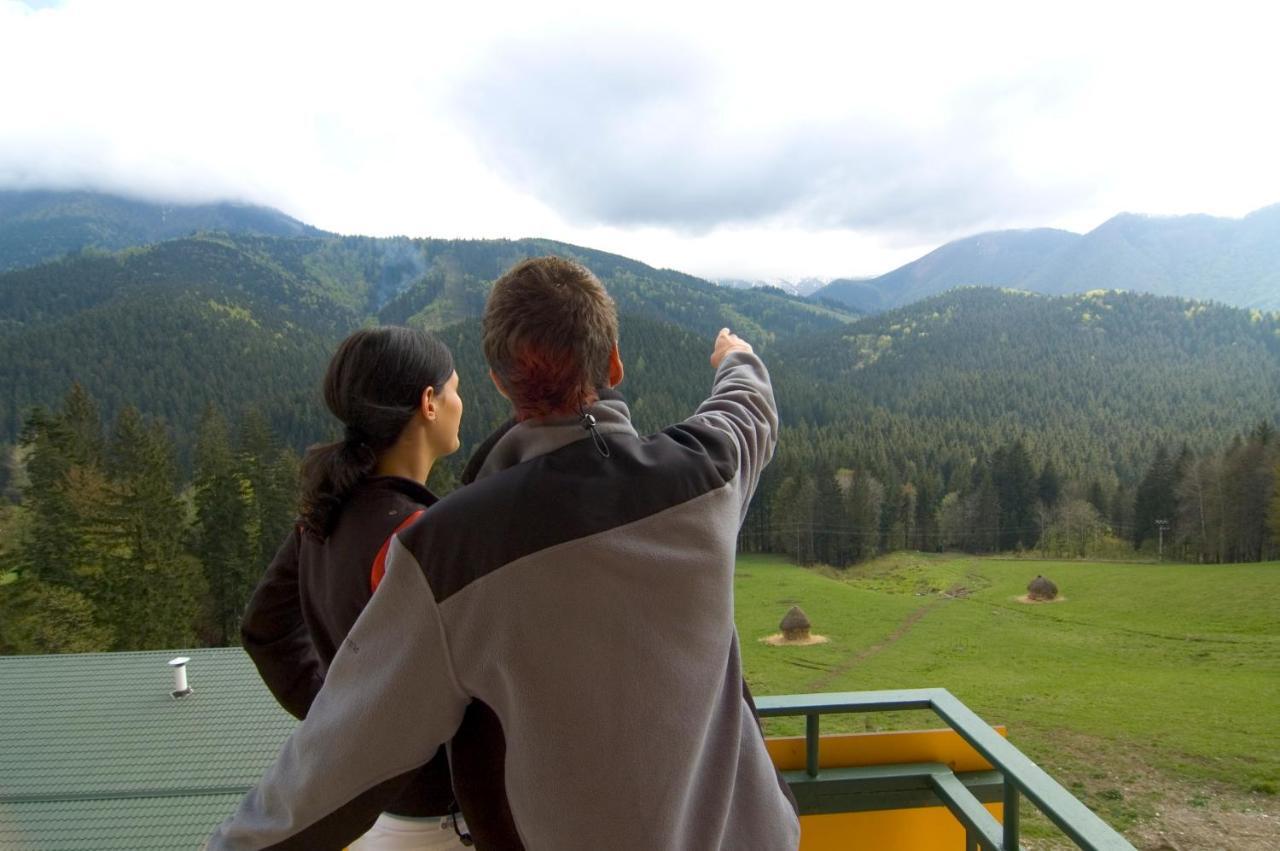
[{"x": 310, "y": 596}]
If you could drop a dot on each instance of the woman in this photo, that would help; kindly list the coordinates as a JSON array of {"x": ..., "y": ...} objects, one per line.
[{"x": 396, "y": 392}]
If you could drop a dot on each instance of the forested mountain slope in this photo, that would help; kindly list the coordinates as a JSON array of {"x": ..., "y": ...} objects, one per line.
[
  {"x": 169, "y": 330},
  {"x": 455, "y": 276},
  {"x": 1234, "y": 261},
  {"x": 1093, "y": 381},
  {"x": 249, "y": 321},
  {"x": 41, "y": 225}
]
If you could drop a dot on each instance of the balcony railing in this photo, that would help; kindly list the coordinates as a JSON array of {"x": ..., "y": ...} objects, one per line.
[{"x": 820, "y": 790}]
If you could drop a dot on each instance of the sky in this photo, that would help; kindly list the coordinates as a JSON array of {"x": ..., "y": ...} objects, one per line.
[{"x": 762, "y": 141}]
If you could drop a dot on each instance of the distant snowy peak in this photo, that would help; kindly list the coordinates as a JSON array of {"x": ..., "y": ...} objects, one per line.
[{"x": 803, "y": 287}]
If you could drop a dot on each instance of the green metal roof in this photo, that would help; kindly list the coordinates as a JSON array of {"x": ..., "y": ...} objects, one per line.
[
  {"x": 96, "y": 754},
  {"x": 122, "y": 824}
]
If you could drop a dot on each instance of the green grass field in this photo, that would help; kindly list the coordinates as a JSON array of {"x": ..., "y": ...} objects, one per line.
[{"x": 1146, "y": 677}]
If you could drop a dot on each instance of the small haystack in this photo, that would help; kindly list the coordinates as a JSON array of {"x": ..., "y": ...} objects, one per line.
[
  {"x": 1041, "y": 589},
  {"x": 795, "y": 631},
  {"x": 795, "y": 625}
]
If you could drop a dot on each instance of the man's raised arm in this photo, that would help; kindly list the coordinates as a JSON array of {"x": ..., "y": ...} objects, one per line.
[
  {"x": 390, "y": 699},
  {"x": 742, "y": 403}
]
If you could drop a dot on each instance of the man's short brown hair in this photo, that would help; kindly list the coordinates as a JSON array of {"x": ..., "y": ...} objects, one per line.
[{"x": 549, "y": 328}]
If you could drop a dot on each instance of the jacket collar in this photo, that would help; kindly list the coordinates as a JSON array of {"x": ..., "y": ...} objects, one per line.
[
  {"x": 531, "y": 438},
  {"x": 415, "y": 491}
]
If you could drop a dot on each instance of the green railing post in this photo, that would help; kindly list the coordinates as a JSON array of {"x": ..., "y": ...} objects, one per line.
[
  {"x": 1010, "y": 816},
  {"x": 811, "y": 742},
  {"x": 970, "y": 841}
]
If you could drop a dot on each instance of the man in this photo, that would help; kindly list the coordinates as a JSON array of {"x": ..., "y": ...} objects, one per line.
[{"x": 576, "y": 598}]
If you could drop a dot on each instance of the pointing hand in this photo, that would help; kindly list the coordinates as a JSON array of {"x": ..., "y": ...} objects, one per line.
[{"x": 727, "y": 341}]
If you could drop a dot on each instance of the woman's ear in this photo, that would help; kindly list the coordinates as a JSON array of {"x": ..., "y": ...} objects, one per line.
[{"x": 428, "y": 404}]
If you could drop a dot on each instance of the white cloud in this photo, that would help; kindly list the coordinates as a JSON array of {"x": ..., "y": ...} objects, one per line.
[{"x": 805, "y": 139}]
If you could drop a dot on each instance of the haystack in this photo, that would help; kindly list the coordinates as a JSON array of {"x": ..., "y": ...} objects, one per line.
[
  {"x": 1041, "y": 589},
  {"x": 795, "y": 625}
]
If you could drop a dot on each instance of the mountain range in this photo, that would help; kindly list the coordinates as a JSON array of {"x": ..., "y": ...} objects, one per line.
[
  {"x": 245, "y": 316},
  {"x": 1232, "y": 261},
  {"x": 242, "y": 309}
]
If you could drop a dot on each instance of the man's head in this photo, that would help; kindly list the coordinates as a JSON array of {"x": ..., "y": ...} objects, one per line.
[{"x": 550, "y": 336}]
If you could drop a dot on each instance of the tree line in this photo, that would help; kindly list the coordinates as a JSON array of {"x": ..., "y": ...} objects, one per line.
[
  {"x": 108, "y": 543},
  {"x": 113, "y": 549},
  {"x": 1218, "y": 506}
]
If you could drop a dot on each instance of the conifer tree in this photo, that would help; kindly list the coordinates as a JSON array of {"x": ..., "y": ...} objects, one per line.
[
  {"x": 984, "y": 517},
  {"x": 255, "y": 450},
  {"x": 1049, "y": 485},
  {"x": 863, "y": 512},
  {"x": 1200, "y": 510},
  {"x": 905, "y": 523},
  {"x": 1120, "y": 501},
  {"x": 83, "y": 423},
  {"x": 225, "y": 520},
  {"x": 755, "y": 534},
  {"x": 1097, "y": 497},
  {"x": 1248, "y": 482},
  {"x": 278, "y": 502},
  {"x": 1015, "y": 483},
  {"x": 929, "y": 490},
  {"x": 1275, "y": 505},
  {"x": 9, "y": 490},
  {"x": 1155, "y": 499},
  {"x": 152, "y": 589},
  {"x": 952, "y": 529},
  {"x": 65, "y": 493},
  {"x": 831, "y": 538},
  {"x": 796, "y": 498},
  {"x": 271, "y": 474}
]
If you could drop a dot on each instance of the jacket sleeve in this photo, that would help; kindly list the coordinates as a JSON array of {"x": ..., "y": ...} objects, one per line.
[
  {"x": 275, "y": 635},
  {"x": 390, "y": 699},
  {"x": 742, "y": 404}
]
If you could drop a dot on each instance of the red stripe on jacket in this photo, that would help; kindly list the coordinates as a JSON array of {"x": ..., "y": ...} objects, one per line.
[{"x": 380, "y": 561}]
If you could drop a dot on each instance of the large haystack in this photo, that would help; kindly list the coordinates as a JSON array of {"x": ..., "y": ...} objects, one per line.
[
  {"x": 795, "y": 625},
  {"x": 1041, "y": 589}
]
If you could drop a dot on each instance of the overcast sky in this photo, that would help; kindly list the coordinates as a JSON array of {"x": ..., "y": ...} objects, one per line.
[{"x": 774, "y": 140}]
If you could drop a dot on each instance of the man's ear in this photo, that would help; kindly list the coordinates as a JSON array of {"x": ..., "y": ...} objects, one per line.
[
  {"x": 616, "y": 371},
  {"x": 427, "y": 405},
  {"x": 493, "y": 376}
]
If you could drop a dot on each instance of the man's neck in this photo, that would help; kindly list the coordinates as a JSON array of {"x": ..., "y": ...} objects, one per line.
[{"x": 538, "y": 436}]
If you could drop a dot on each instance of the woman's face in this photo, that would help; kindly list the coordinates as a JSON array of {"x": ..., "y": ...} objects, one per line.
[{"x": 444, "y": 431}]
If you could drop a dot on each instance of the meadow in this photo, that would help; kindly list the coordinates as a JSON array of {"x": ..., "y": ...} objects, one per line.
[{"x": 1149, "y": 689}]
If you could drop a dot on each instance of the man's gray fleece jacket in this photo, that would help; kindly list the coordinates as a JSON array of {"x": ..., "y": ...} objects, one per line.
[{"x": 588, "y": 602}]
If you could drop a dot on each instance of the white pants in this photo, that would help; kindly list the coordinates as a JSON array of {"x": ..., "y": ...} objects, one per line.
[{"x": 398, "y": 833}]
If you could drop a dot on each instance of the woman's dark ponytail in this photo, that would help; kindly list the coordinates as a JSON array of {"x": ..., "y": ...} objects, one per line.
[{"x": 374, "y": 386}]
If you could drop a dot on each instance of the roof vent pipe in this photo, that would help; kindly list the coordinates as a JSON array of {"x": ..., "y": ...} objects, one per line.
[{"x": 180, "y": 687}]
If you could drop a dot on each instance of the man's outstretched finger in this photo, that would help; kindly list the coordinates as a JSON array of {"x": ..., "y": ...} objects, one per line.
[{"x": 727, "y": 341}]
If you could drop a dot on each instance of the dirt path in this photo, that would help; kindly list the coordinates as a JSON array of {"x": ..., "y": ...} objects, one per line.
[
  {"x": 1155, "y": 810},
  {"x": 850, "y": 662},
  {"x": 1225, "y": 821}
]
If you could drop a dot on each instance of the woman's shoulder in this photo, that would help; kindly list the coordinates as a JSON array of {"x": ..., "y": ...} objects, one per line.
[{"x": 378, "y": 505}]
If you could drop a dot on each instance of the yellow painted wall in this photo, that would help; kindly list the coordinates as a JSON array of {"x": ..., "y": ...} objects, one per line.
[{"x": 915, "y": 829}]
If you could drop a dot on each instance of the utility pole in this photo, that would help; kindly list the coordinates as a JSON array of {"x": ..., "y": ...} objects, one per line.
[{"x": 1161, "y": 525}]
